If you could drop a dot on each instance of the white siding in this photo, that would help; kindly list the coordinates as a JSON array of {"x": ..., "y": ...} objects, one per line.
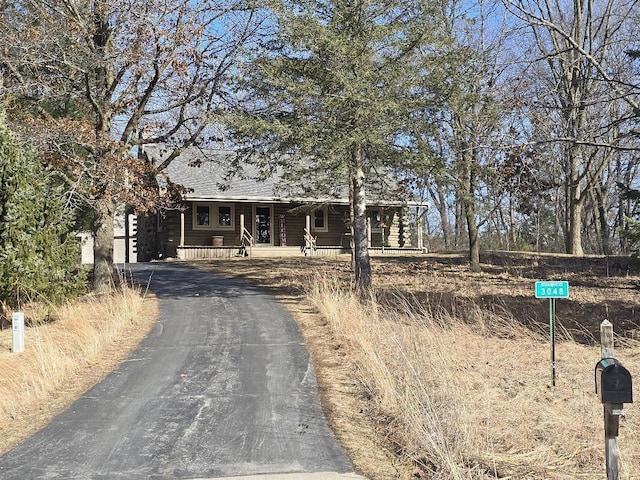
[{"x": 119, "y": 241}]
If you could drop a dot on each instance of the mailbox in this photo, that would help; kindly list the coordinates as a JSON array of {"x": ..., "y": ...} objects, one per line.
[{"x": 613, "y": 382}]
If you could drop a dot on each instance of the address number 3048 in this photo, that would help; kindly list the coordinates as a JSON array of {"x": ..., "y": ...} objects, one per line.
[{"x": 557, "y": 289}]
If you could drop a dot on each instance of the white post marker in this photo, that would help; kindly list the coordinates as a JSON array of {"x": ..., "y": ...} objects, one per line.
[{"x": 17, "y": 323}]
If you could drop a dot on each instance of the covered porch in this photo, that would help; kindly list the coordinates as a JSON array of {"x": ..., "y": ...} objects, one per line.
[{"x": 224, "y": 230}]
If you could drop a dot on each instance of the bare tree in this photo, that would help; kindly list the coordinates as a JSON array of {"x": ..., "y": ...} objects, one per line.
[
  {"x": 583, "y": 100},
  {"x": 107, "y": 76},
  {"x": 470, "y": 115}
]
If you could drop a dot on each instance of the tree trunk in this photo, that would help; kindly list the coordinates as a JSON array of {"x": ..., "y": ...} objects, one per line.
[
  {"x": 361, "y": 248},
  {"x": 459, "y": 222},
  {"x": 558, "y": 242},
  {"x": 623, "y": 176},
  {"x": 467, "y": 195},
  {"x": 575, "y": 204},
  {"x": 439, "y": 199},
  {"x": 103, "y": 278},
  {"x": 513, "y": 236},
  {"x": 352, "y": 222},
  {"x": 474, "y": 244},
  {"x": 575, "y": 235},
  {"x": 602, "y": 225}
]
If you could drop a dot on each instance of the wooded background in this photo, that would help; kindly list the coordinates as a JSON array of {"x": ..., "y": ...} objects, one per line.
[{"x": 515, "y": 120}]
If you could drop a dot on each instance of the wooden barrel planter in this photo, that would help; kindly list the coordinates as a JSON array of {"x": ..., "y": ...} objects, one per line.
[{"x": 217, "y": 240}]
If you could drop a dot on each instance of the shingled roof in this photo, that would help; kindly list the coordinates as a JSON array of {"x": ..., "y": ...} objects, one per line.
[{"x": 205, "y": 173}]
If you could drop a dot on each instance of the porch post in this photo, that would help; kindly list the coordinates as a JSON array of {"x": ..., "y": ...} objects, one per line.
[
  {"x": 307, "y": 231},
  {"x": 241, "y": 227},
  {"x": 182, "y": 228},
  {"x": 368, "y": 232}
]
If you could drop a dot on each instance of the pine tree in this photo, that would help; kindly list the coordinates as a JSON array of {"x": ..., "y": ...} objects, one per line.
[
  {"x": 327, "y": 98},
  {"x": 38, "y": 255}
]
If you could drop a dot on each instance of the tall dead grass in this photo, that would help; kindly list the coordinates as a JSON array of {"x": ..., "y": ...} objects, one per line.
[
  {"x": 68, "y": 354},
  {"x": 468, "y": 396}
]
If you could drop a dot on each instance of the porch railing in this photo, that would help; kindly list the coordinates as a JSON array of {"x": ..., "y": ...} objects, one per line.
[
  {"x": 246, "y": 241},
  {"x": 309, "y": 242}
]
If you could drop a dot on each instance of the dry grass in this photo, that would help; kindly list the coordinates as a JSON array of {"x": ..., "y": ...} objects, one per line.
[
  {"x": 450, "y": 372},
  {"x": 472, "y": 399},
  {"x": 64, "y": 358}
]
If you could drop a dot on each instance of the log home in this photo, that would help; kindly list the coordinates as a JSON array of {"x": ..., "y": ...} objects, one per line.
[{"x": 248, "y": 215}]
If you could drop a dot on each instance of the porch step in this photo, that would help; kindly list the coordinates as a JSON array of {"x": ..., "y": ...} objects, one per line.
[
  {"x": 268, "y": 251},
  {"x": 262, "y": 251},
  {"x": 391, "y": 251}
]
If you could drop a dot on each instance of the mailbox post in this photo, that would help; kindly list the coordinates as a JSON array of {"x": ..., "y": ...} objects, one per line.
[{"x": 614, "y": 389}]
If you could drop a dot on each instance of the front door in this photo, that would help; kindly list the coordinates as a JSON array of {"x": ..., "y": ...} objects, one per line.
[{"x": 263, "y": 225}]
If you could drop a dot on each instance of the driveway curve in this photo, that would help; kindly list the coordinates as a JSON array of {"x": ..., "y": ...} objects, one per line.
[{"x": 223, "y": 386}]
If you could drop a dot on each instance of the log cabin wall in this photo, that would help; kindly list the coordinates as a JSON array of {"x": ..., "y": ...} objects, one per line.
[{"x": 291, "y": 229}]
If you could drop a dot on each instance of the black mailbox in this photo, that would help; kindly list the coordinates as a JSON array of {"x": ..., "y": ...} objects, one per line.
[{"x": 613, "y": 382}]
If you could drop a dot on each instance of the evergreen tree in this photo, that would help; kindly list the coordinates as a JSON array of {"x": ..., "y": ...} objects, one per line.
[
  {"x": 328, "y": 98},
  {"x": 38, "y": 256}
]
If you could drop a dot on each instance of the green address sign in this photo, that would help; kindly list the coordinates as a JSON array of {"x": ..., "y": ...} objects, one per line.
[{"x": 558, "y": 289}]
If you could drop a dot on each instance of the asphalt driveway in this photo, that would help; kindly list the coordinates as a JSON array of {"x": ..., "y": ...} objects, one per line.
[{"x": 223, "y": 386}]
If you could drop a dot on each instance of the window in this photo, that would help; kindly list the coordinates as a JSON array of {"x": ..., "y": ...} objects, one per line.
[
  {"x": 202, "y": 217},
  {"x": 211, "y": 216},
  {"x": 320, "y": 223},
  {"x": 224, "y": 216}
]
